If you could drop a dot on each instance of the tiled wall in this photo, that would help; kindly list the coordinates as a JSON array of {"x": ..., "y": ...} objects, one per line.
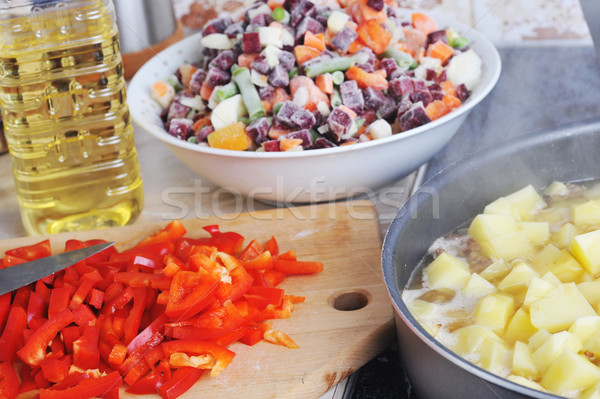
[{"x": 505, "y": 22}]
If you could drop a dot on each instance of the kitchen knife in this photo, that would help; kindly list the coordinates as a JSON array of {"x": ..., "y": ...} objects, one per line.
[{"x": 18, "y": 276}]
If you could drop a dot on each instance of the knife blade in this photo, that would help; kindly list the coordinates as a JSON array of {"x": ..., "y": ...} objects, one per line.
[{"x": 20, "y": 275}]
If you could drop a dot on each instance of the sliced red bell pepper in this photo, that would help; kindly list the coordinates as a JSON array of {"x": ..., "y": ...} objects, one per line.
[
  {"x": 150, "y": 383},
  {"x": 157, "y": 326},
  {"x": 4, "y": 308},
  {"x": 86, "y": 284},
  {"x": 9, "y": 381},
  {"x": 12, "y": 338},
  {"x": 96, "y": 298},
  {"x": 56, "y": 369},
  {"x": 32, "y": 252},
  {"x": 134, "y": 318},
  {"x": 241, "y": 282},
  {"x": 84, "y": 316},
  {"x": 190, "y": 292},
  {"x": 143, "y": 279},
  {"x": 37, "y": 307},
  {"x": 59, "y": 300},
  {"x": 72, "y": 379},
  {"x": 69, "y": 335},
  {"x": 272, "y": 246},
  {"x": 10, "y": 260},
  {"x": 272, "y": 295},
  {"x": 274, "y": 277},
  {"x": 222, "y": 355},
  {"x": 42, "y": 290},
  {"x": 182, "y": 380},
  {"x": 170, "y": 233},
  {"x": 254, "y": 334},
  {"x": 137, "y": 356},
  {"x": 34, "y": 350},
  {"x": 22, "y": 297},
  {"x": 297, "y": 266},
  {"x": 119, "y": 301},
  {"x": 261, "y": 262},
  {"x": 252, "y": 250},
  {"x": 85, "y": 349},
  {"x": 87, "y": 388},
  {"x": 27, "y": 382}
]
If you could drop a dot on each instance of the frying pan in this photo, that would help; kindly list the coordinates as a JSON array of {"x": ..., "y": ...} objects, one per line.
[{"x": 450, "y": 199}]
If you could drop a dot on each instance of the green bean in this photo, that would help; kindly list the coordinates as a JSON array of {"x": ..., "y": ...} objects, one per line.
[
  {"x": 338, "y": 77},
  {"x": 404, "y": 60},
  {"x": 293, "y": 72},
  {"x": 329, "y": 65},
  {"x": 336, "y": 98},
  {"x": 250, "y": 96},
  {"x": 229, "y": 90},
  {"x": 281, "y": 15}
]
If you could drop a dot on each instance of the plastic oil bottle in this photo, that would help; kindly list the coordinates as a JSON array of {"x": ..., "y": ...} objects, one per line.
[{"x": 67, "y": 124}]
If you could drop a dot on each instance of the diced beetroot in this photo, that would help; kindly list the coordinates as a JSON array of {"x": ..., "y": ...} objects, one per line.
[
  {"x": 217, "y": 77},
  {"x": 419, "y": 84},
  {"x": 431, "y": 74},
  {"x": 289, "y": 5},
  {"x": 279, "y": 77},
  {"x": 303, "y": 135},
  {"x": 339, "y": 122},
  {"x": 436, "y": 91},
  {"x": 234, "y": 29},
  {"x": 461, "y": 92},
  {"x": 343, "y": 39},
  {"x": 258, "y": 130},
  {"x": 250, "y": 42},
  {"x": 287, "y": 60},
  {"x": 403, "y": 105},
  {"x": 369, "y": 117},
  {"x": 177, "y": 111},
  {"x": 197, "y": 80},
  {"x": 351, "y": 95},
  {"x": 265, "y": 92},
  {"x": 304, "y": 8},
  {"x": 271, "y": 146},
  {"x": 203, "y": 133},
  {"x": 260, "y": 20},
  {"x": 261, "y": 65},
  {"x": 223, "y": 61},
  {"x": 373, "y": 98},
  {"x": 400, "y": 86},
  {"x": 321, "y": 14},
  {"x": 376, "y": 5},
  {"x": 437, "y": 36},
  {"x": 308, "y": 24},
  {"x": 442, "y": 76},
  {"x": 423, "y": 96},
  {"x": 181, "y": 128},
  {"x": 366, "y": 67},
  {"x": 217, "y": 25},
  {"x": 389, "y": 64},
  {"x": 414, "y": 117},
  {"x": 322, "y": 142},
  {"x": 285, "y": 113},
  {"x": 372, "y": 58},
  {"x": 303, "y": 119},
  {"x": 388, "y": 110}
]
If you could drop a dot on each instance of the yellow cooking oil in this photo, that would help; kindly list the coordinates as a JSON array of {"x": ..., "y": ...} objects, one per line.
[{"x": 67, "y": 123}]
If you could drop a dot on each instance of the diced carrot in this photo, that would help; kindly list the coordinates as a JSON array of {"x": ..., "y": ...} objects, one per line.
[
  {"x": 187, "y": 70},
  {"x": 440, "y": 50},
  {"x": 415, "y": 40},
  {"x": 267, "y": 105},
  {"x": 436, "y": 109},
  {"x": 364, "y": 79},
  {"x": 355, "y": 46},
  {"x": 448, "y": 88},
  {"x": 361, "y": 12},
  {"x": 273, "y": 4},
  {"x": 423, "y": 23},
  {"x": 314, "y": 95},
  {"x": 374, "y": 35},
  {"x": 275, "y": 132},
  {"x": 305, "y": 53},
  {"x": 244, "y": 60},
  {"x": 206, "y": 91},
  {"x": 351, "y": 24},
  {"x": 286, "y": 144},
  {"x": 327, "y": 37},
  {"x": 314, "y": 41},
  {"x": 451, "y": 101},
  {"x": 325, "y": 83},
  {"x": 200, "y": 123},
  {"x": 402, "y": 46},
  {"x": 160, "y": 88},
  {"x": 347, "y": 110}
]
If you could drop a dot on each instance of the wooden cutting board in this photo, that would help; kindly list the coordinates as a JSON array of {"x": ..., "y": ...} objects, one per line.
[{"x": 346, "y": 320}]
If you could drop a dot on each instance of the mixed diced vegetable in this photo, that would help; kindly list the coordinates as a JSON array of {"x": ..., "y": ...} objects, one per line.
[{"x": 293, "y": 75}]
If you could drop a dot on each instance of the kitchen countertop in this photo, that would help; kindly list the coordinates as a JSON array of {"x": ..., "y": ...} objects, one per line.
[{"x": 539, "y": 87}]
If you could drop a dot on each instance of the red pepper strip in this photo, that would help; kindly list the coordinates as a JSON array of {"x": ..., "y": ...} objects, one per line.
[
  {"x": 9, "y": 381},
  {"x": 144, "y": 279},
  {"x": 36, "y": 308},
  {"x": 40, "y": 380},
  {"x": 136, "y": 372},
  {"x": 222, "y": 355},
  {"x": 22, "y": 296},
  {"x": 4, "y": 308},
  {"x": 272, "y": 295},
  {"x": 87, "y": 388},
  {"x": 275, "y": 277},
  {"x": 146, "y": 262},
  {"x": 150, "y": 383},
  {"x": 252, "y": 250},
  {"x": 212, "y": 324},
  {"x": 85, "y": 349},
  {"x": 190, "y": 293},
  {"x": 117, "y": 355},
  {"x": 137, "y": 356},
  {"x": 34, "y": 350},
  {"x": 96, "y": 298},
  {"x": 42, "y": 290},
  {"x": 261, "y": 262},
  {"x": 85, "y": 286},
  {"x": 10, "y": 260},
  {"x": 289, "y": 255},
  {"x": 56, "y": 370},
  {"x": 112, "y": 290},
  {"x": 119, "y": 301},
  {"x": 59, "y": 300},
  {"x": 84, "y": 316},
  {"x": 231, "y": 337},
  {"x": 27, "y": 381},
  {"x": 11, "y": 338},
  {"x": 157, "y": 326},
  {"x": 259, "y": 278},
  {"x": 69, "y": 335},
  {"x": 272, "y": 246},
  {"x": 72, "y": 379},
  {"x": 241, "y": 282},
  {"x": 171, "y": 232},
  {"x": 134, "y": 318},
  {"x": 254, "y": 334},
  {"x": 32, "y": 252},
  {"x": 297, "y": 266},
  {"x": 183, "y": 379}
]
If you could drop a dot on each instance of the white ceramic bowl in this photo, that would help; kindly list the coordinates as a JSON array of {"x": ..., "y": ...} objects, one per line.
[{"x": 313, "y": 175}]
